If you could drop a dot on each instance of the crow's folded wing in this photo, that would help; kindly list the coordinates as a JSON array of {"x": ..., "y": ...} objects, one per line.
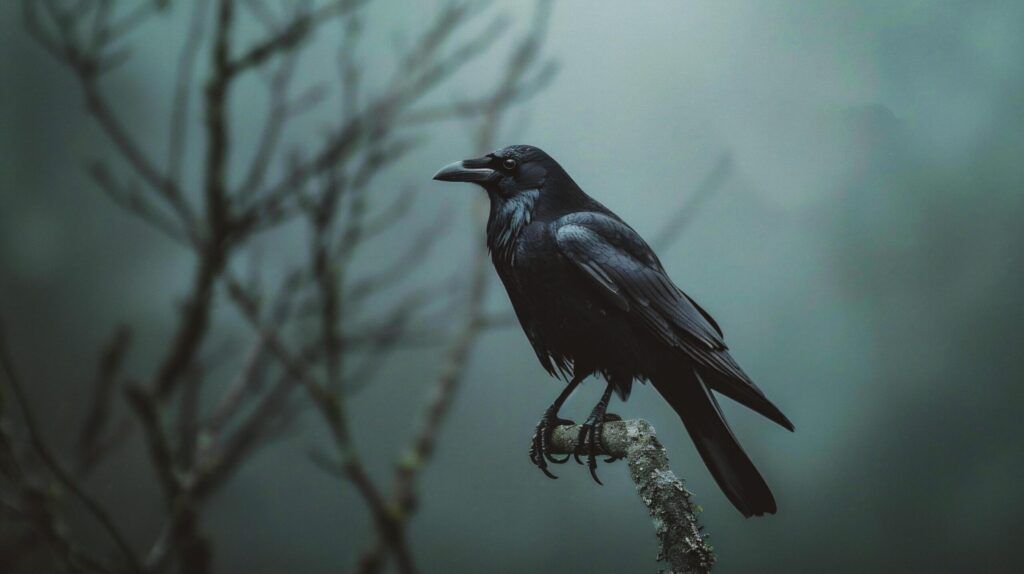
[
  {"x": 615, "y": 257},
  {"x": 618, "y": 261}
]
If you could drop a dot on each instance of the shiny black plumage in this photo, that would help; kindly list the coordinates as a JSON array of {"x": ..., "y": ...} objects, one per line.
[{"x": 593, "y": 298}]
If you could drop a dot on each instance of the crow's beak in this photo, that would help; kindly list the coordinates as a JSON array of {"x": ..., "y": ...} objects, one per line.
[{"x": 466, "y": 170}]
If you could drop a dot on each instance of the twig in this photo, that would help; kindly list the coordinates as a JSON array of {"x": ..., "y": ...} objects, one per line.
[
  {"x": 132, "y": 152},
  {"x": 183, "y": 89},
  {"x": 330, "y": 407},
  {"x": 43, "y": 451},
  {"x": 683, "y": 544},
  {"x": 135, "y": 203},
  {"x": 194, "y": 324},
  {"x": 145, "y": 407},
  {"x": 98, "y": 417},
  {"x": 405, "y": 263},
  {"x": 298, "y": 30}
]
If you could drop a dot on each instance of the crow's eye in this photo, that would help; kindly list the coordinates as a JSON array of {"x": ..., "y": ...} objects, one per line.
[{"x": 509, "y": 163}]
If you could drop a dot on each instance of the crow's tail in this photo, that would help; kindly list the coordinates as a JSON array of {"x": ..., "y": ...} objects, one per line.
[{"x": 724, "y": 457}]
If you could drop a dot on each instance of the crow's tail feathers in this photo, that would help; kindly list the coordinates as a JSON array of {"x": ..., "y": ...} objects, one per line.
[
  {"x": 745, "y": 392},
  {"x": 724, "y": 457}
]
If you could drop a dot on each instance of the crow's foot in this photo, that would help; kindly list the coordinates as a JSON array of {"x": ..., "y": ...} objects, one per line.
[
  {"x": 587, "y": 441},
  {"x": 540, "y": 446}
]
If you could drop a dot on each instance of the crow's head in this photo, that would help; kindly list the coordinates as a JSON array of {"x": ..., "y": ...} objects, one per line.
[
  {"x": 518, "y": 179},
  {"x": 505, "y": 172}
]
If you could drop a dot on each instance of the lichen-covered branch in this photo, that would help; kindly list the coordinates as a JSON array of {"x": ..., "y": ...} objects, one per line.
[{"x": 683, "y": 544}]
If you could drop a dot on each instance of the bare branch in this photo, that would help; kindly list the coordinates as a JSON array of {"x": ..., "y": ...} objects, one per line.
[
  {"x": 419, "y": 248},
  {"x": 62, "y": 476},
  {"x": 193, "y": 326},
  {"x": 98, "y": 416},
  {"x": 160, "y": 452},
  {"x": 84, "y": 60},
  {"x": 217, "y": 133},
  {"x": 134, "y": 202},
  {"x": 273, "y": 126},
  {"x": 403, "y": 496},
  {"x": 131, "y": 151},
  {"x": 183, "y": 89},
  {"x": 683, "y": 544},
  {"x": 298, "y": 30},
  {"x": 217, "y": 463},
  {"x": 247, "y": 383},
  {"x": 187, "y": 418},
  {"x": 330, "y": 407},
  {"x": 418, "y": 77}
]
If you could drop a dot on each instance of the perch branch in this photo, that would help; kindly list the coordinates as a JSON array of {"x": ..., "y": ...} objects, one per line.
[{"x": 683, "y": 544}]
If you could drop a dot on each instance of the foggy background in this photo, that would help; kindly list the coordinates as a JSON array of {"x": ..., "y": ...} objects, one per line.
[{"x": 862, "y": 256}]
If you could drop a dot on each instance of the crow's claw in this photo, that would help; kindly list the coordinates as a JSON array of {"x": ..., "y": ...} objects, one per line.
[
  {"x": 551, "y": 458},
  {"x": 587, "y": 441},
  {"x": 540, "y": 445},
  {"x": 586, "y": 444},
  {"x": 581, "y": 440},
  {"x": 591, "y": 448}
]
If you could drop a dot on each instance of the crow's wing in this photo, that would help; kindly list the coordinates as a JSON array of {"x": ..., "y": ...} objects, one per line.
[{"x": 615, "y": 258}]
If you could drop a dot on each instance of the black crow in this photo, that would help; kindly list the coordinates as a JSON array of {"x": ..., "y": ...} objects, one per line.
[{"x": 593, "y": 298}]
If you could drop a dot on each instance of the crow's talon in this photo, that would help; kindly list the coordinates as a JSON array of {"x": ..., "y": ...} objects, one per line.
[
  {"x": 551, "y": 458},
  {"x": 581, "y": 440},
  {"x": 539, "y": 446},
  {"x": 592, "y": 452},
  {"x": 591, "y": 437},
  {"x": 586, "y": 444},
  {"x": 587, "y": 439}
]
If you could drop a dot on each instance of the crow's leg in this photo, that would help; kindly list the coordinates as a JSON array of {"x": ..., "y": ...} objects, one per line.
[
  {"x": 539, "y": 454},
  {"x": 590, "y": 433}
]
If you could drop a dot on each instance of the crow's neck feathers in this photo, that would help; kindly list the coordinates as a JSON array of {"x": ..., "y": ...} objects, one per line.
[
  {"x": 556, "y": 195},
  {"x": 509, "y": 216}
]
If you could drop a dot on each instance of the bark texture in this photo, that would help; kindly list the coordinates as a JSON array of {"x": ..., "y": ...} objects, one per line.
[{"x": 684, "y": 547}]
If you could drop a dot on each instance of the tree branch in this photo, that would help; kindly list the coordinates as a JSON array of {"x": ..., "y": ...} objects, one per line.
[
  {"x": 683, "y": 544},
  {"x": 298, "y": 30},
  {"x": 62, "y": 476}
]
